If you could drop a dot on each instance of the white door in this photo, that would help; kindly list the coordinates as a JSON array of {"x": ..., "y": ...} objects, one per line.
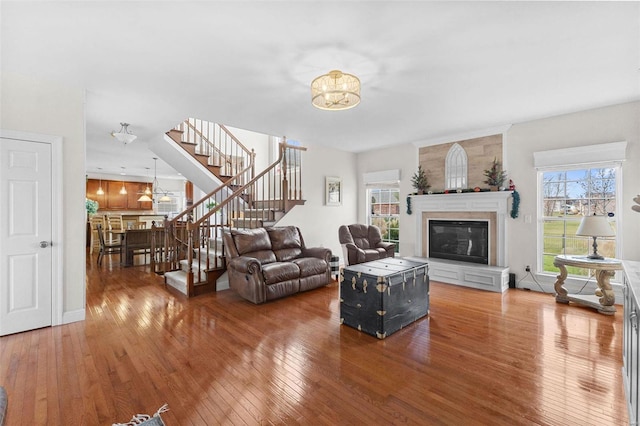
[{"x": 25, "y": 236}]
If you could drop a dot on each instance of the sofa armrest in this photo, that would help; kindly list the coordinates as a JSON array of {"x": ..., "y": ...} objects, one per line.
[
  {"x": 245, "y": 277},
  {"x": 318, "y": 252},
  {"x": 390, "y": 248},
  {"x": 358, "y": 254},
  {"x": 245, "y": 264}
]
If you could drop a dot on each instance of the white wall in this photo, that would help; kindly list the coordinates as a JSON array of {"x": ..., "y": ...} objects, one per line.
[
  {"x": 256, "y": 141},
  {"x": 610, "y": 124},
  {"x": 319, "y": 223},
  {"x": 405, "y": 158},
  {"x": 37, "y": 106}
]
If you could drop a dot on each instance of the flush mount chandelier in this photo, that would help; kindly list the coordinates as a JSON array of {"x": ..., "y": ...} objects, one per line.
[
  {"x": 124, "y": 135},
  {"x": 335, "y": 91}
]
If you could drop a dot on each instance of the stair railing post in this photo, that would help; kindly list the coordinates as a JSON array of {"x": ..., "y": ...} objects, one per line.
[
  {"x": 190, "y": 231},
  {"x": 285, "y": 183},
  {"x": 253, "y": 164}
]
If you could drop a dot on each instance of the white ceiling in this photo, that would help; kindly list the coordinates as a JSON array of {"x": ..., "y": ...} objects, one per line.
[{"x": 428, "y": 69}]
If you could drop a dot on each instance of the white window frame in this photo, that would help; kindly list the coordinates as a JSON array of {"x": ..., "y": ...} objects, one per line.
[
  {"x": 369, "y": 207},
  {"x": 540, "y": 207}
]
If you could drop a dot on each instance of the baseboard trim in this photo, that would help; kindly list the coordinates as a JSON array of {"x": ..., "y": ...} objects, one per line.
[{"x": 73, "y": 316}]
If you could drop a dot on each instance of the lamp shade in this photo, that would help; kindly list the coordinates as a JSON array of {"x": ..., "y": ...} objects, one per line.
[
  {"x": 595, "y": 226},
  {"x": 145, "y": 198},
  {"x": 335, "y": 91}
]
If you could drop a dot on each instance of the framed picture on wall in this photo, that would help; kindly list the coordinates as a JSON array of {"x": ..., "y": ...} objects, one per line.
[{"x": 333, "y": 191}]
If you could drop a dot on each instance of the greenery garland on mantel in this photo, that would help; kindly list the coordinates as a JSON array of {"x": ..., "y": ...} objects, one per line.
[{"x": 515, "y": 205}]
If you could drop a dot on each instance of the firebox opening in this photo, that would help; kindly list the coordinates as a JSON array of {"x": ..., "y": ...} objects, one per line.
[{"x": 463, "y": 240}]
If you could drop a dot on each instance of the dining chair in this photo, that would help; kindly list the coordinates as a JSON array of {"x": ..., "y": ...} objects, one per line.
[
  {"x": 95, "y": 241},
  {"x": 106, "y": 247},
  {"x": 114, "y": 223}
]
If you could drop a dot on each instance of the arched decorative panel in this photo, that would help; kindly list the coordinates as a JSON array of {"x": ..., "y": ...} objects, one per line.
[{"x": 456, "y": 168}]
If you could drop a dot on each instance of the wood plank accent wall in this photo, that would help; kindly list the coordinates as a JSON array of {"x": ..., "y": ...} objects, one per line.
[{"x": 480, "y": 155}]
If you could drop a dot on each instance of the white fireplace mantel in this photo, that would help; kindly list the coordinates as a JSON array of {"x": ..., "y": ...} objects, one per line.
[{"x": 492, "y": 202}]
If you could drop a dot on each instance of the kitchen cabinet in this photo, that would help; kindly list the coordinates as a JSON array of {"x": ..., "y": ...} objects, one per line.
[{"x": 113, "y": 200}]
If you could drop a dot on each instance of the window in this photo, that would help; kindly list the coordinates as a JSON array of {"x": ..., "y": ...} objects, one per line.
[
  {"x": 456, "y": 168},
  {"x": 566, "y": 196},
  {"x": 384, "y": 212}
]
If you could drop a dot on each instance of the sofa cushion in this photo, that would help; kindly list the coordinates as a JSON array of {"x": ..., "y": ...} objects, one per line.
[
  {"x": 287, "y": 255},
  {"x": 360, "y": 235},
  {"x": 251, "y": 240},
  {"x": 311, "y": 266},
  {"x": 371, "y": 254},
  {"x": 263, "y": 256},
  {"x": 285, "y": 242},
  {"x": 280, "y": 271},
  {"x": 282, "y": 289},
  {"x": 313, "y": 281}
]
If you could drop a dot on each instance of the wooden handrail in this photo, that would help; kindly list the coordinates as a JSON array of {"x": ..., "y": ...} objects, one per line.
[{"x": 240, "y": 144}]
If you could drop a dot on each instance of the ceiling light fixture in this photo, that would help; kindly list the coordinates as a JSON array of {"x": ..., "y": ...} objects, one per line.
[
  {"x": 335, "y": 91},
  {"x": 124, "y": 135}
]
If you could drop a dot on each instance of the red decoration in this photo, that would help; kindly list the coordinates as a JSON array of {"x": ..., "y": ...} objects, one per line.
[
  {"x": 446, "y": 191},
  {"x": 476, "y": 189},
  {"x": 512, "y": 186}
]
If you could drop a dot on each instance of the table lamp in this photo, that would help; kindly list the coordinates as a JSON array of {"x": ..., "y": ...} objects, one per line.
[{"x": 595, "y": 226}]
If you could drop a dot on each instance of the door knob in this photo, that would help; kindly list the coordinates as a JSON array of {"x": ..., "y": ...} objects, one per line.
[{"x": 44, "y": 244}]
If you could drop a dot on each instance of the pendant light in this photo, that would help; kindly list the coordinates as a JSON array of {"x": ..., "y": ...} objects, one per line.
[
  {"x": 146, "y": 197},
  {"x": 156, "y": 186},
  {"x": 100, "y": 191},
  {"x": 123, "y": 190}
]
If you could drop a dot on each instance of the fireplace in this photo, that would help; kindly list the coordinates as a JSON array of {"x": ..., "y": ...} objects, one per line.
[
  {"x": 463, "y": 240},
  {"x": 468, "y": 218},
  {"x": 487, "y": 207}
]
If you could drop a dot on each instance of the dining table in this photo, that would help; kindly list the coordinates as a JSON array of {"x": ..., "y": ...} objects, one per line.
[{"x": 134, "y": 241}]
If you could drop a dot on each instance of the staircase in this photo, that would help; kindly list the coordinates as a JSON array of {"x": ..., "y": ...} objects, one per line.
[{"x": 191, "y": 251}]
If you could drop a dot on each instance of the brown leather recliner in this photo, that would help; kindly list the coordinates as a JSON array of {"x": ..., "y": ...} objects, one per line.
[
  {"x": 363, "y": 243},
  {"x": 268, "y": 263}
]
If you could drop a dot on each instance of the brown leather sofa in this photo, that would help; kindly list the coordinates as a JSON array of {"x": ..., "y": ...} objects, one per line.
[
  {"x": 269, "y": 263},
  {"x": 363, "y": 243}
]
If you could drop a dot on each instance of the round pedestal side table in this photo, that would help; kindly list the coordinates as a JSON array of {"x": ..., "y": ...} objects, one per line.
[{"x": 604, "y": 298}]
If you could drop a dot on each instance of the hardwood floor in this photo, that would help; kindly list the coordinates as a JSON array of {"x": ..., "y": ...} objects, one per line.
[{"x": 479, "y": 358}]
